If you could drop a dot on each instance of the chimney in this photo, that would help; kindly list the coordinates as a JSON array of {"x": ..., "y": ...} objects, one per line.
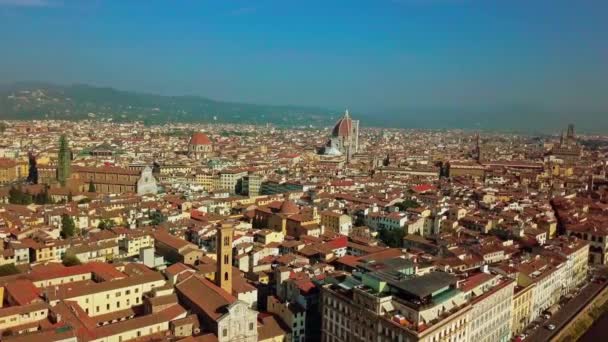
[{"x": 223, "y": 276}]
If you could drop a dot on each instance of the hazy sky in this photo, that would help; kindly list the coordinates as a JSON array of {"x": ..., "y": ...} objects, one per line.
[{"x": 463, "y": 54}]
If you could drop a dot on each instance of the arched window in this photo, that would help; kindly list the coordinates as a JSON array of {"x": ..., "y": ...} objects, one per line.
[{"x": 226, "y": 276}]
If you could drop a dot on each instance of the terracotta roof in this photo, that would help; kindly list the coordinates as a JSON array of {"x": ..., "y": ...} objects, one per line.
[
  {"x": 289, "y": 208},
  {"x": 207, "y": 297},
  {"x": 343, "y": 127},
  {"x": 200, "y": 138},
  {"x": 23, "y": 291}
]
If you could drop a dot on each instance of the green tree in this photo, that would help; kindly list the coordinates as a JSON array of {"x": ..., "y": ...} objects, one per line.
[
  {"x": 43, "y": 197},
  {"x": 157, "y": 218},
  {"x": 68, "y": 227},
  {"x": 70, "y": 260},
  {"x": 406, "y": 204},
  {"x": 8, "y": 269},
  {"x": 64, "y": 161},
  {"x": 18, "y": 196},
  {"x": 392, "y": 237},
  {"x": 106, "y": 224},
  {"x": 91, "y": 186}
]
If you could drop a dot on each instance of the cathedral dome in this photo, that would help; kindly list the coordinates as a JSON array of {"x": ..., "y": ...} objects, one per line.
[
  {"x": 289, "y": 207},
  {"x": 200, "y": 138},
  {"x": 344, "y": 127}
]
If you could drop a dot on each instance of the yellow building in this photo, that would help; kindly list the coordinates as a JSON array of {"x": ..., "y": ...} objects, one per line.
[
  {"x": 208, "y": 180},
  {"x": 45, "y": 252},
  {"x": 337, "y": 222},
  {"x": 134, "y": 241},
  {"x": 267, "y": 236},
  {"x": 110, "y": 296},
  {"x": 522, "y": 308},
  {"x": 8, "y": 170},
  {"x": 102, "y": 251},
  {"x": 23, "y": 316}
]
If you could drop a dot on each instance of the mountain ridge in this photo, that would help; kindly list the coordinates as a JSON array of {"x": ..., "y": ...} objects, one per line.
[
  {"x": 43, "y": 100},
  {"x": 39, "y": 100}
]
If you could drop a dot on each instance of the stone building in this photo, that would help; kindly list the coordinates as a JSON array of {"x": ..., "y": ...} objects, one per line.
[{"x": 199, "y": 146}]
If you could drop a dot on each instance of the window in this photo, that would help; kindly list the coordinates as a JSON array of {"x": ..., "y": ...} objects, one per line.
[
  {"x": 251, "y": 326},
  {"x": 225, "y": 332},
  {"x": 226, "y": 276},
  {"x": 107, "y": 306}
]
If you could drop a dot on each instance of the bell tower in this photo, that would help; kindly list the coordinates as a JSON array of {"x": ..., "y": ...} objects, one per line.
[{"x": 223, "y": 276}]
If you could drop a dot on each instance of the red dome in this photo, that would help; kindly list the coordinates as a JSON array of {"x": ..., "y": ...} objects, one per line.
[
  {"x": 200, "y": 138},
  {"x": 343, "y": 127},
  {"x": 289, "y": 208}
]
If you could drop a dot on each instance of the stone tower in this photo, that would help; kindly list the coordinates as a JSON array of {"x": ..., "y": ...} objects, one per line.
[
  {"x": 64, "y": 161},
  {"x": 223, "y": 276},
  {"x": 478, "y": 152}
]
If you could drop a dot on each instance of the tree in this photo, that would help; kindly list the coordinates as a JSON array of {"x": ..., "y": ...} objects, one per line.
[
  {"x": 106, "y": 224},
  {"x": 92, "y": 186},
  {"x": 17, "y": 196},
  {"x": 43, "y": 197},
  {"x": 406, "y": 204},
  {"x": 64, "y": 161},
  {"x": 68, "y": 227},
  {"x": 32, "y": 175},
  {"x": 392, "y": 237},
  {"x": 70, "y": 260},
  {"x": 8, "y": 269},
  {"x": 157, "y": 218}
]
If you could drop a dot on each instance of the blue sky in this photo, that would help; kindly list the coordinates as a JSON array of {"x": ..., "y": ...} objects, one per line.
[{"x": 367, "y": 55}]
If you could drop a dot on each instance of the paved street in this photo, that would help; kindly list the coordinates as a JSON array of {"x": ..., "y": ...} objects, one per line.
[{"x": 566, "y": 313}]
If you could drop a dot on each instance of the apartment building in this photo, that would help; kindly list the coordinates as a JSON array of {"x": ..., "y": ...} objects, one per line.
[
  {"x": 522, "y": 308},
  {"x": 108, "y": 296},
  {"x": 492, "y": 300},
  {"x": 337, "y": 222},
  {"x": 548, "y": 276},
  {"x": 389, "y": 301}
]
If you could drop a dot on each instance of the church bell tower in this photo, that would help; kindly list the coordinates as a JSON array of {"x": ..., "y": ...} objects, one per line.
[{"x": 223, "y": 276}]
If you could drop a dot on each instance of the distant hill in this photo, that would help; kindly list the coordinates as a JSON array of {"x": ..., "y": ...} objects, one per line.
[
  {"x": 33, "y": 100},
  {"x": 74, "y": 102}
]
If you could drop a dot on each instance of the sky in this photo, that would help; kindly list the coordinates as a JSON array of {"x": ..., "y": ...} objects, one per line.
[{"x": 368, "y": 55}]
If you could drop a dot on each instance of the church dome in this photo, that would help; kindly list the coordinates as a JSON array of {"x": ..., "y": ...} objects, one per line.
[
  {"x": 343, "y": 127},
  {"x": 289, "y": 207},
  {"x": 200, "y": 138}
]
